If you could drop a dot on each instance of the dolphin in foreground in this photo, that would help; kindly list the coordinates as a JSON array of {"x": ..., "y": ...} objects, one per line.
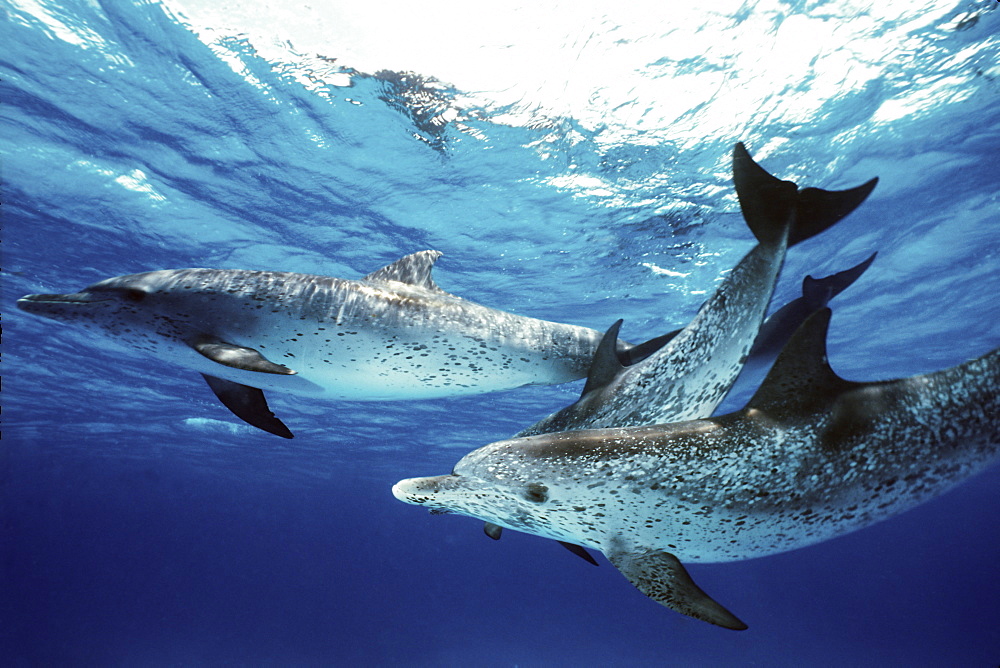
[
  {"x": 690, "y": 375},
  {"x": 773, "y": 335},
  {"x": 812, "y": 456},
  {"x": 394, "y": 334}
]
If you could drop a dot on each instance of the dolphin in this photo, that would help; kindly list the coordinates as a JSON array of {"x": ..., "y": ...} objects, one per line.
[
  {"x": 693, "y": 371},
  {"x": 773, "y": 335},
  {"x": 811, "y": 456},
  {"x": 393, "y": 334}
]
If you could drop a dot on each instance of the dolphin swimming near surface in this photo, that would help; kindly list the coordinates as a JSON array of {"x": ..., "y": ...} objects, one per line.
[
  {"x": 773, "y": 335},
  {"x": 693, "y": 371},
  {"x": 393, "y": 334},
  {"x": 811, "y": 456}
]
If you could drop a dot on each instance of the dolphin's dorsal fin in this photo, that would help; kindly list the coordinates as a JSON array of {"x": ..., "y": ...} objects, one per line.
[
  {"x": 606, "y": 365},
  {"x": 662, "y": 577},
  {"x": 413, "y": 269},
  {"x": 801, "y": 380}
]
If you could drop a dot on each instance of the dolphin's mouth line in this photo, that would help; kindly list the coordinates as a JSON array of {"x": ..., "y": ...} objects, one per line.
[{"x": 61, "y": 299}]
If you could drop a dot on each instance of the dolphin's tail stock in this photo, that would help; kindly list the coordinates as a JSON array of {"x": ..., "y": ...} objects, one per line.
[{"x": 769, "y": 204}]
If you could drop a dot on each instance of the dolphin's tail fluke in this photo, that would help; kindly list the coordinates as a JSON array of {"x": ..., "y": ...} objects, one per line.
[
  {"x": 770, "y": 204},
  {"x": 817, "y": 292}
]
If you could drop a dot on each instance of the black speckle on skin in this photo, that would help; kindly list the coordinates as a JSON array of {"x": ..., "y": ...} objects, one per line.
[{"x": 536, "y": 493}]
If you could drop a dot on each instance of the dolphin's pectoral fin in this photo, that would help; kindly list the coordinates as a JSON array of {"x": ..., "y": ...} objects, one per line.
[
  {"x": 579, "y": 551},
  {"x": 248, "y": 404},
  {"x": 238, "y": 357},
  {"x": 413, "y": 269},
  {"x": 661, "y": 576},
  {"x": 606, "y": 365},
  {"x": 492, "y": 530}
]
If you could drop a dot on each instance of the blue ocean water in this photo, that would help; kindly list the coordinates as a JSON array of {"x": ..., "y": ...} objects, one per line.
[{"x": 143, "y": 525}]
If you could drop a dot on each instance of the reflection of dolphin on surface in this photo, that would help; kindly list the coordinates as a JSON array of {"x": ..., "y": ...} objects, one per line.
[
  {"x": 812, "y": 456},
  {"x": 392, "y": 335},
  {"x": 690, "y": 375}
]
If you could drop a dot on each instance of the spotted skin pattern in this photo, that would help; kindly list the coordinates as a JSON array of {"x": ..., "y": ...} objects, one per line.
[
  {"x": 692, "y": 373},
  {"x": 391, "y": 335},
  {"x": 690, "y": 376},
  {"x": 811, "y": 457}
]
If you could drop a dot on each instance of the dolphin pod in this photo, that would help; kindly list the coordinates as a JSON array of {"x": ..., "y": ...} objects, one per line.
[
  {"x": 637, "y": 468},
  {"x": 696, "y": 367},
  {"x": 811, "y": 456}
]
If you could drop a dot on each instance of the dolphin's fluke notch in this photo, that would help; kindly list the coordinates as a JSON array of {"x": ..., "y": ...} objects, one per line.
[
  {"x": 248, "y": 404},
  {"x": 769, "y": 204},
  {"x": 819, "y": 291},
  {"x": 662, "y": 577}
]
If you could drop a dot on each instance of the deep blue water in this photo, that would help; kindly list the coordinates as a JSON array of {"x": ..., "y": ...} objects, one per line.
[{"x": 143, "y": 525}]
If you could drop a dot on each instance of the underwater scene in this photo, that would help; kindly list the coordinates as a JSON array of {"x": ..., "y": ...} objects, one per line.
[{"x": 517, "y": 334}]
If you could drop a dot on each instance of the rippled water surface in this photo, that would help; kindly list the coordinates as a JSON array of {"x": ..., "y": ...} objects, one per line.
[{"x": 572, "y": 163}]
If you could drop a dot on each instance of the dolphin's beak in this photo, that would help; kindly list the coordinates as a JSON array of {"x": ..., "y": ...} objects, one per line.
[
  {"x": 55, "y": 305},
  {"x": 27, "y": 302},
  {"x": 420, "y": 491}
]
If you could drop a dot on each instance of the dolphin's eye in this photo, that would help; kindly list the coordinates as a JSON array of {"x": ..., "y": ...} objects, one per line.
[
  {"x": 133, "y": 295},
  {"x": 536, "y": 493}
]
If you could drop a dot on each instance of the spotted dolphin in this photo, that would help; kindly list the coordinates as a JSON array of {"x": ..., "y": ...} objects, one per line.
[
  {"x": 691, "y": 373},
  {"x": 393, "y": 334},
  {"x": 773, "y": 335},
  {"x": 812, "y": 456}
]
